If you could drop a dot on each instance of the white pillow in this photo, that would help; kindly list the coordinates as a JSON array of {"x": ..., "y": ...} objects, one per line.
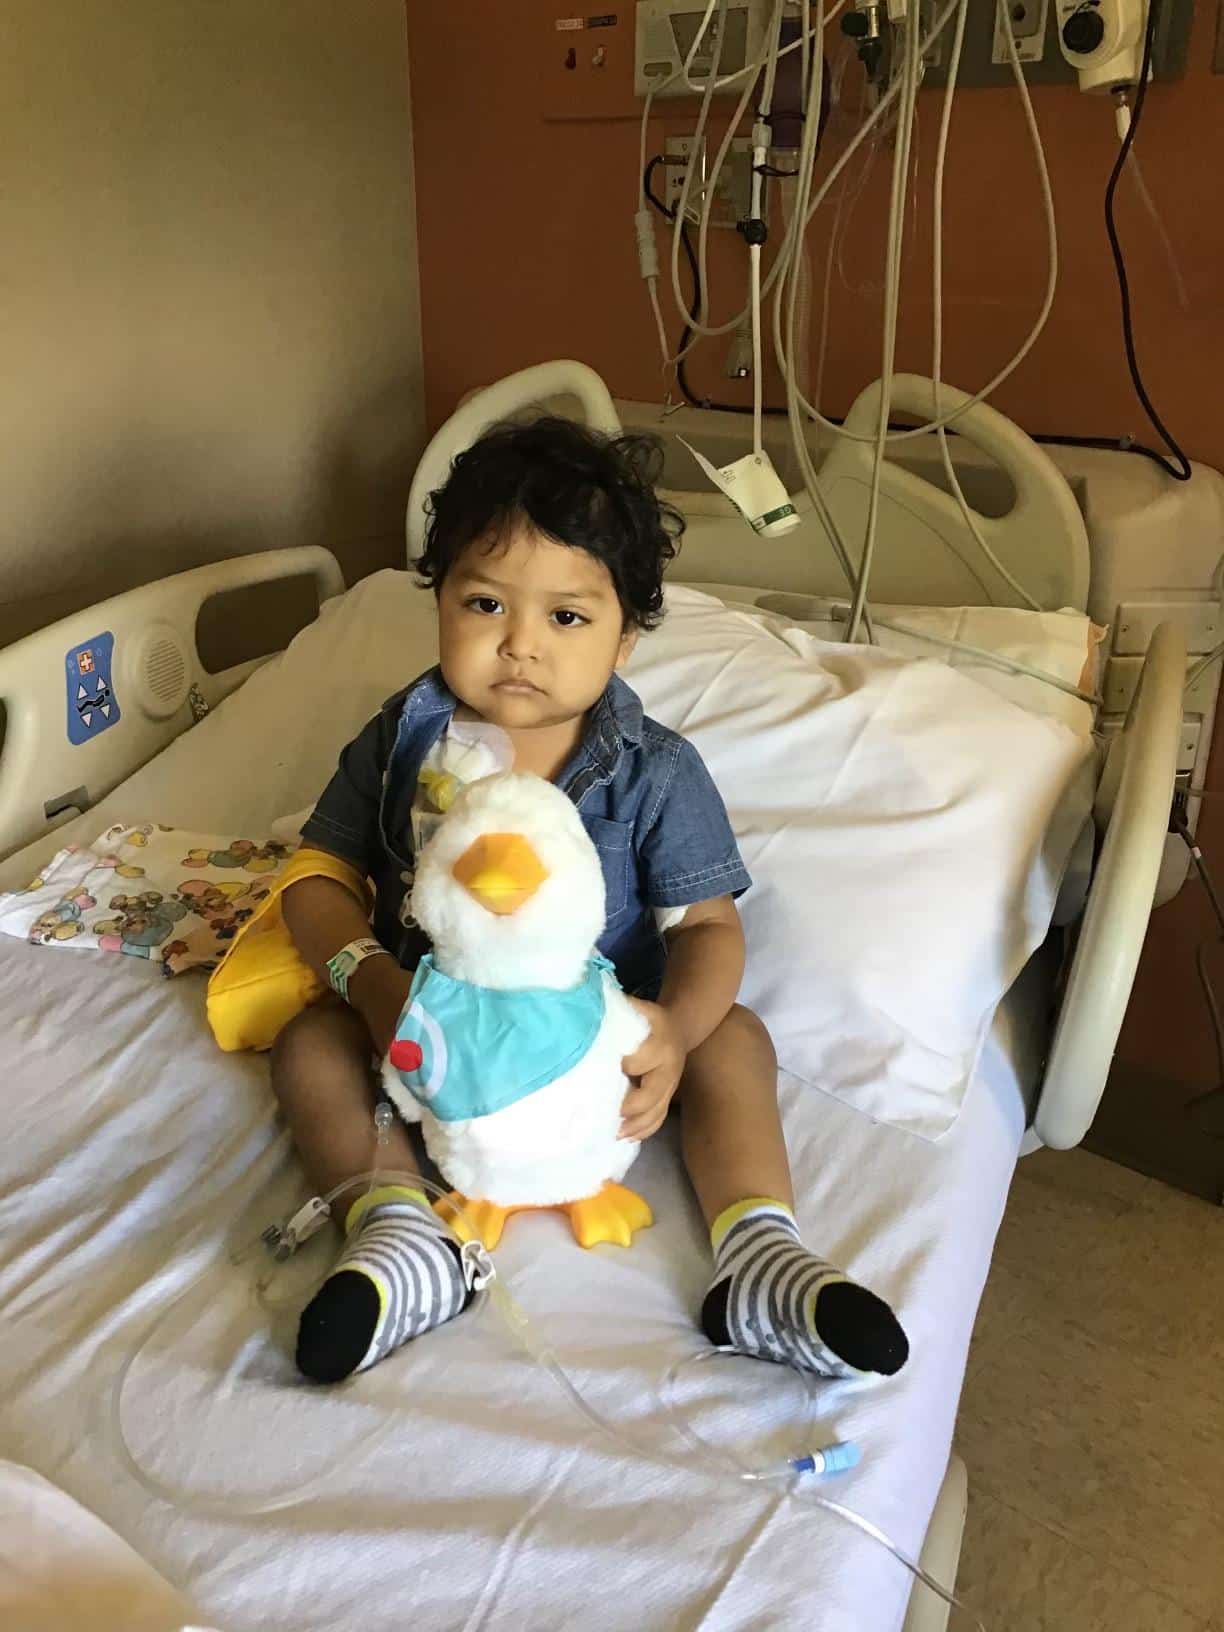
[
  {"x": 906, "y": 829},
  {"x": 1063, "y": 644}
]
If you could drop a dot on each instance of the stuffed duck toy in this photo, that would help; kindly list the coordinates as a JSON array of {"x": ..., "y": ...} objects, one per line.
[{"x": 509, "y": 1049}]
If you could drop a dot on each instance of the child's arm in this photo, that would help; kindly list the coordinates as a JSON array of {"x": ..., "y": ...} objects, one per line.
[
  {"x": 705, "y": 964},
  {"x": 322, "y": 916}
]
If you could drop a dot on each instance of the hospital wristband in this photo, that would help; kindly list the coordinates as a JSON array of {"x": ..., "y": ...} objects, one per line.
[{"x": 345, "y": 964}]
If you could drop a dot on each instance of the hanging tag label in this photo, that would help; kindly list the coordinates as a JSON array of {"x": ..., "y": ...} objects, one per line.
[{"x": 755, "y": 489}]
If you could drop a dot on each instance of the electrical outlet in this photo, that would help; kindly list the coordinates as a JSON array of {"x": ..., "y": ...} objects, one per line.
[
  {"x": 1028, "y": 26},
  {"x": 678, "y": 154},
  {"x": 733, "y": 199},
  {"x": 984, "y": 59}
]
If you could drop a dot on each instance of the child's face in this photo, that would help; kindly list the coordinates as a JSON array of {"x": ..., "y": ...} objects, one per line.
[{"x": 529, "y": 631}]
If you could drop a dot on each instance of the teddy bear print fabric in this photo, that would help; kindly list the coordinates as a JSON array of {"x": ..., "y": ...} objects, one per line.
[{"x": 161, "y": 893}]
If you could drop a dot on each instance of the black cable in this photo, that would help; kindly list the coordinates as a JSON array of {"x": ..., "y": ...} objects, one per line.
[
  {"x": 1128, "y": 336},
  {"x": 1108, "y": 444},
  {"x": 694, "y": 305},
  {"x": 1200, "y": 962}
]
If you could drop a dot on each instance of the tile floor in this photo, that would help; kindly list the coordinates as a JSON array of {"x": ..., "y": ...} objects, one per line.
[{"x": 1092, "y": 1421}]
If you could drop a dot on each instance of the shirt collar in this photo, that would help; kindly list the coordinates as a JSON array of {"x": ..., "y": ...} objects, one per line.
[
  {"x": 430, "y": 695},
  {"x": 615, "y": 722}
]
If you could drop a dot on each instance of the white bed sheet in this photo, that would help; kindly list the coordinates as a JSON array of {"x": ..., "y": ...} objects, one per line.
[{"x": 131, "y": 1146}]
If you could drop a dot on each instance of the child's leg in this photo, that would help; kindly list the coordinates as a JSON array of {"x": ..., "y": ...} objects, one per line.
[
  {"x": 323, "y": 1079},
  {"x": 770, "y": 1296},
  {"x": 399, "y": 1273}
]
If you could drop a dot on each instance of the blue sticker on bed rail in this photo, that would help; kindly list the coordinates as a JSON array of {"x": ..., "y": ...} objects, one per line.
[{"x": 92, "y": 704}]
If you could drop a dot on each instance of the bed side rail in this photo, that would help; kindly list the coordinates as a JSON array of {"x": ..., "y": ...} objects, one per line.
[
  {"x": 1132, "y": 808},
  {"x": 90, "y": 699}
]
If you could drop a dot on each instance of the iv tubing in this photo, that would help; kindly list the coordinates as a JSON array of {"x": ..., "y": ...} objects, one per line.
[
  {"x": 803, "y": 222},
  {"x": 686, "y": 185},
  {"x": 648, "y": 259},
  {"x": 1009, "y": 368},
  {"x": 839, "y": 609},
  {"x": 227, "y": 1507},
  {"x": 892, "y": 300},
  {"x": 792, "y": 247},
  {"x": 694, "y": 319},
  {"x": 769, "y": 61},
  {"x": 941, "y": 151},
  {"x": 727, "y": 1461},
  {"x": 482, "y": 1276},
  {"x": 760, "y": 146},
  {"x": 805, "y": 212}
]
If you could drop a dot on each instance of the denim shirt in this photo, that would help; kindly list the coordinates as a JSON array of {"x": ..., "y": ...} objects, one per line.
[{"x": 643, "y": 792}]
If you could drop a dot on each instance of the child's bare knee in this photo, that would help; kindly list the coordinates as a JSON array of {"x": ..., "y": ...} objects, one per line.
[
  {"x": 313, "y": 1047},
  {"x": 738, "y": 1053},
  {"x": 745, "y": 1028},
  {"x": 740, "y": 1033}
]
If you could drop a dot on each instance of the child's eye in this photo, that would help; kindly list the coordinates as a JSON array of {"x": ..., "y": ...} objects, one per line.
[
  {"x": 487, "y": 604},
  {"x": 567, "y": 618}
]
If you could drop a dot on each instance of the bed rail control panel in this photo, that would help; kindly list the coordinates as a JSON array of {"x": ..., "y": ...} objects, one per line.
[
  {"x": 93, "y": 697},
  {"x": 92, "y": 705}
]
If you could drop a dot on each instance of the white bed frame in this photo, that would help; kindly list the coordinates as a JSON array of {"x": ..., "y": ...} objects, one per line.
[
  {"x": 159, "y": 682},
  {"x": 162, "y": 688}
]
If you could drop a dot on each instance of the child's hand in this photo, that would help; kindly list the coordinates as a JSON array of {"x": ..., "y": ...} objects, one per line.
[{"x": 655, "y": 1069}]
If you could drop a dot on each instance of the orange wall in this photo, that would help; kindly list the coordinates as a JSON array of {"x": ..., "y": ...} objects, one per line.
[
  {"x": 526, "y": 237},
  {"x": 526, "y": 252}
]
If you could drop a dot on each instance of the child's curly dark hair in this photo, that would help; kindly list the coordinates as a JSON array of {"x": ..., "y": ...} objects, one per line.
[{"x": 575, "y": 486}]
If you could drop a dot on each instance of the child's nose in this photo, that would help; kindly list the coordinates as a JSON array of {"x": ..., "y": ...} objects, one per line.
[{"x": 519, "y": 640}]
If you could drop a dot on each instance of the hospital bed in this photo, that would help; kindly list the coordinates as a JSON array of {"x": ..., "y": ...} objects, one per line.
[{"x": 455, "y": 1485}]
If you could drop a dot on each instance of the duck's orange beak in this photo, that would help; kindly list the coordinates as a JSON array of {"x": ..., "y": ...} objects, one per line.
[{"x": 501, "y": 871}]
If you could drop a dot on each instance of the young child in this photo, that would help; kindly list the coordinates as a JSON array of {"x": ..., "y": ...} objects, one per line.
[{"x": 546, "y": 549}]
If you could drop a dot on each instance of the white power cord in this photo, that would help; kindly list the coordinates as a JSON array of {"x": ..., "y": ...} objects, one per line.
[
  {"x": 892, "y": 301},
  {"x": 789, "y": 259},
  {"x": 1039, "y": 323},
  {"x": 643, "y": 223},
  {"x": 695, "y": 320},
  {"x": 941, "y": 153}
]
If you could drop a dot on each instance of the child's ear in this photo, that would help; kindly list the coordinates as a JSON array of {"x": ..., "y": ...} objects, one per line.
[{"x": 628, "y": 641}]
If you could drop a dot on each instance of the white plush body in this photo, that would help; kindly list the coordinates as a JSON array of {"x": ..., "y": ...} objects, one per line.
[{"x": 558, "y": 1144}]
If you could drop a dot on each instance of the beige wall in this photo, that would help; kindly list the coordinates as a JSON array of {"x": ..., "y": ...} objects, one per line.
[{"x": 209, "y": 321}]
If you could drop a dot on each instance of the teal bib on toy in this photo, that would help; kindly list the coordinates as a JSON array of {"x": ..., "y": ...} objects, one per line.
[{"x": 482, "y": 1050}]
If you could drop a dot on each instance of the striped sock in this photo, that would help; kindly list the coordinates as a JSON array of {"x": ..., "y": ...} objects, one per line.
[
  {"x": 399, "y": 1275},
  {"x": 773, "y": 1299}
]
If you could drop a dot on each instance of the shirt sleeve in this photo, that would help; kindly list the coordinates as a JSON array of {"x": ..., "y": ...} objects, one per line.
[
  {"x": 345, "y": 820},
  {"x": 689, "y": 852}
]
